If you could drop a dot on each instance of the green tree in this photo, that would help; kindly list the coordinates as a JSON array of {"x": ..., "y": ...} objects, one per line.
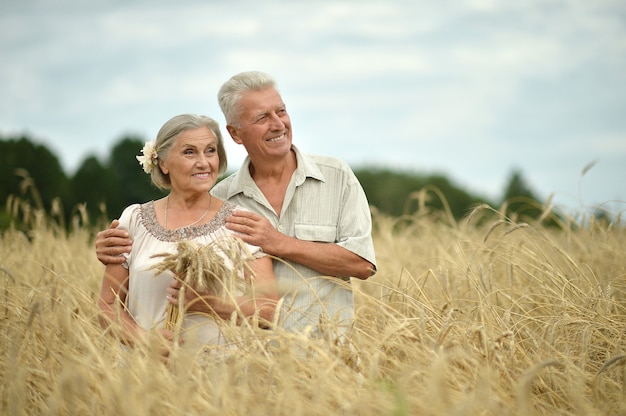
[
  {"x": 519, "y": 197},
  {"x": 96, "y": 186},
  {"x": 133, "y": 185},
  {"x": 394, "y": 192},
  {"x": 31, "y": 171}
]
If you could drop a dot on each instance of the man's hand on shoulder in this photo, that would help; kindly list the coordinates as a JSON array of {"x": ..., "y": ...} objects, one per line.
[
  {"x": 256, "y": 230},
  {"x": 112, "y": 243}
]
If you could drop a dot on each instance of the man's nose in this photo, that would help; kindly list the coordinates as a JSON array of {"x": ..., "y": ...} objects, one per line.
[{"x": 276, "y": 122}]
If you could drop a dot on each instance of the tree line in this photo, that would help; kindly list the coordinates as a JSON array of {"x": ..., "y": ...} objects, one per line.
[{"x": 101, "y": 188}]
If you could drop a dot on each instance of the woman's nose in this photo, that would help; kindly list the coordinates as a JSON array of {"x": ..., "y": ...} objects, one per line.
[{"x": 202, "y": 160}]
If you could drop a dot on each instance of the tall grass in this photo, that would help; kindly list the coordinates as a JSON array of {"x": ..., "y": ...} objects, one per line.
[{"x": 487, "y": 316}]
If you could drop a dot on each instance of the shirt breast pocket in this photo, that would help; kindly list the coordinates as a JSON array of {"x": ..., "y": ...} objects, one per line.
[{"x": 319, "y": 233}]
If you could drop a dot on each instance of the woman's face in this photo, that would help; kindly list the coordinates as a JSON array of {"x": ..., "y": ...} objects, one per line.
[{"x": 192, "y": 163}]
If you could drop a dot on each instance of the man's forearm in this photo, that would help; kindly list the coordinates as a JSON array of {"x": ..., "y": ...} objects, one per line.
[{"x": 327, "y": 258}]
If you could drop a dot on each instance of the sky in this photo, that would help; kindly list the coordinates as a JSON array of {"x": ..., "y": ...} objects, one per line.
[{"x": 472, "y": 89}]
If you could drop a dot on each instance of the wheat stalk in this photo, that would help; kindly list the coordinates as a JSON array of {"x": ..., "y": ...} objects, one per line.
[{"x": 214, "y": 268}]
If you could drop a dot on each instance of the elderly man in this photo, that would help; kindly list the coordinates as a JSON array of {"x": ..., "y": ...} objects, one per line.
[{"x": 308, "y": 211}]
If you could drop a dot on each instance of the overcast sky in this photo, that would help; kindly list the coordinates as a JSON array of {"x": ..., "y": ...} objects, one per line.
[{"x": 468, "y": 88}]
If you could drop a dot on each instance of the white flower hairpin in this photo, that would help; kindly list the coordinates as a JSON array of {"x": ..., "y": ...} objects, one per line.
[{"x": 148, "y": 159}]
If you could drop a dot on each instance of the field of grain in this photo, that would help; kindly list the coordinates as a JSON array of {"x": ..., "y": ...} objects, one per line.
[{"x": 485, "y": 316}]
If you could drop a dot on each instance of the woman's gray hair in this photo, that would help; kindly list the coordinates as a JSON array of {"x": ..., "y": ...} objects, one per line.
[
  {"x": 171, "y": 130},
  {"x": 229, "y": 96}
]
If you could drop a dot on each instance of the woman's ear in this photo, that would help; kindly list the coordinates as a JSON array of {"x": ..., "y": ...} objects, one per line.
[{"x": 163, "y": 166}]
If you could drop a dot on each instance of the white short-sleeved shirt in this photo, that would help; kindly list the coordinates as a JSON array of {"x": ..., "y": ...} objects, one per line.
[
  {"x": 324, "y": 202},
  {"x": 147, "y": 293}
]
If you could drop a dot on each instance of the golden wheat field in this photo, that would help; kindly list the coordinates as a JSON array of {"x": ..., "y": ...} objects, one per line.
[{"x": 485, "y": 316}]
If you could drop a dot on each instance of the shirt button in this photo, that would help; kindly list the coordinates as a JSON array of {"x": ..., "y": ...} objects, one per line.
[{"x": 280, "y": 227}]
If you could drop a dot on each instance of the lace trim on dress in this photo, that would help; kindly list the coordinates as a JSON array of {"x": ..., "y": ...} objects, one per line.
[{"x": 147, "y": 217}]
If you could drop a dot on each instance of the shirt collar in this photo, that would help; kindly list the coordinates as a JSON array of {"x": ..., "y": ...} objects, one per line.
[
  {"x": 306, "y": 167},
  {"x": 244, "y": 183}
]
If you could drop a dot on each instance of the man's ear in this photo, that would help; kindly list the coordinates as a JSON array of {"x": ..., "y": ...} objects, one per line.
[{"x": 234, "y": 133}]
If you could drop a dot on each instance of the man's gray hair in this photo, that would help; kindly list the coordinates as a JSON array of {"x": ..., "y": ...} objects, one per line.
[{"x": 229, "y": 96}]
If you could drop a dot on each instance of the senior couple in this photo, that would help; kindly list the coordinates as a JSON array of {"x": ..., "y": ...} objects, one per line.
[{"x": 309, "y": 213}]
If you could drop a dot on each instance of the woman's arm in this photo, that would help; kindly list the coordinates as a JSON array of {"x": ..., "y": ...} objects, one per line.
[
  {"x": 112, "y": 304},
  {"x": 262, "y": 295},
  {"x": 113, "y": 314}
]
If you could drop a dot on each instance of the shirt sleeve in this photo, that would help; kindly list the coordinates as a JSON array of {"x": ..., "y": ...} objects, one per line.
[
  {"x": 128, "y": 222},
  {"x": 355, "y": 221}
]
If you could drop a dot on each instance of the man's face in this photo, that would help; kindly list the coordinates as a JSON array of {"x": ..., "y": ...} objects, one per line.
[{"x": 264, "y": 125}]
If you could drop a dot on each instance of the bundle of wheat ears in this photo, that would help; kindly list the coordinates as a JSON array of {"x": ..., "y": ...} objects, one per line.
[{"x": 213, "y": 268}]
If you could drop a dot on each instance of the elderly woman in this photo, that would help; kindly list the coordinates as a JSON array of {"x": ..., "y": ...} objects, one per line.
[{"x": 187, "y": 158}]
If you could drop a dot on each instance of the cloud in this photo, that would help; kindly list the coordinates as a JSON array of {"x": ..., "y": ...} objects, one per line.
[{"x": 469, "y": 87}]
